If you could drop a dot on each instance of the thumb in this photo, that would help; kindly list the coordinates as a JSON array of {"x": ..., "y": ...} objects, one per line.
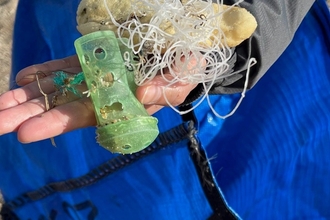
[{"x": 158, "y": 92}]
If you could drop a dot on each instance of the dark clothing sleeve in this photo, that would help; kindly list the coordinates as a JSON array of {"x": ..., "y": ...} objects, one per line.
[{"x": 277, "y": 21}]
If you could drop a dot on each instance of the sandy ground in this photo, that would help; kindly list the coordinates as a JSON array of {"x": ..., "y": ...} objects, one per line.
[{"x": 7, "y": 15}]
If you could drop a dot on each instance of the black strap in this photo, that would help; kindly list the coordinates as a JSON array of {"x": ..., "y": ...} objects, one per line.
[
  {"x": 7, "y": 214},
  {"x": 210, "y": 188}
]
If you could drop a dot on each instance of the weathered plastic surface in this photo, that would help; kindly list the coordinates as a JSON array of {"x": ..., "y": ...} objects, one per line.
[{"x": 124, "y": 126}]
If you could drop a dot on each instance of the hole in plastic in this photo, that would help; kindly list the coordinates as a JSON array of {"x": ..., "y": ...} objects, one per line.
[
  {"x": 126, "y": 147},
  {"x": 97, "y": 72},
  {"x": 117, "y": 106},
  {"x": 106, "y": 110},
  {"x": 86, "y": 59},
  {"x": 99, "y": 53},
  {"x": 107, "y": 79}
]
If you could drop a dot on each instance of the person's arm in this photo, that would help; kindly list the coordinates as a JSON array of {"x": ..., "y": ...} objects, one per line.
[{"x": 277, "y": 21}]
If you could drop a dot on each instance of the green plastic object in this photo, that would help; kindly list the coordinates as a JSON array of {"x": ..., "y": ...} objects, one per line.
[{"x": 124, "y": 125}]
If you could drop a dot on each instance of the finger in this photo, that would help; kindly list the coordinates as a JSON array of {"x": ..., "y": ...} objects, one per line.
[
  {"x": 59, "y": 120},
  {"x": 27, "y": 74},
  {"x": 64, "y": 98},
  {"x": 158, "y": 92},
  {"x": 28, "y": 92},
  {"x": 26, "y": 110},
  {"x": 152, "y": 109},
  {"x": 12, "y": 118},
  {"x": 36, "y": 89}
]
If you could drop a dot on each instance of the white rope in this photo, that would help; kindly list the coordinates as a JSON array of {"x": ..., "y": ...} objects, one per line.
[{"x": 192, "y": 25}]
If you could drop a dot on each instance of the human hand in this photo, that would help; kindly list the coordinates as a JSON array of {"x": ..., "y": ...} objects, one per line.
[{"x": 24, "y": 110}]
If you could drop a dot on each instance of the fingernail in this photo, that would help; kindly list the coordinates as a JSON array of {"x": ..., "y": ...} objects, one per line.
[{"x": 151, "y": 95}]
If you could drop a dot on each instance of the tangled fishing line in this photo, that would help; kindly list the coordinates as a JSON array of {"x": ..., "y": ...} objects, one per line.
[{"x": 176, "y": 34}]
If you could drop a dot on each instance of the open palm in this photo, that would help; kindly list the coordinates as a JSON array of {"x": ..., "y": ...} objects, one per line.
[{"x": 25, "y": 109}]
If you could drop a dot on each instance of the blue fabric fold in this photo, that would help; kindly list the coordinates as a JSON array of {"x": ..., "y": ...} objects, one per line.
[{"x": 271, "y": 159}]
